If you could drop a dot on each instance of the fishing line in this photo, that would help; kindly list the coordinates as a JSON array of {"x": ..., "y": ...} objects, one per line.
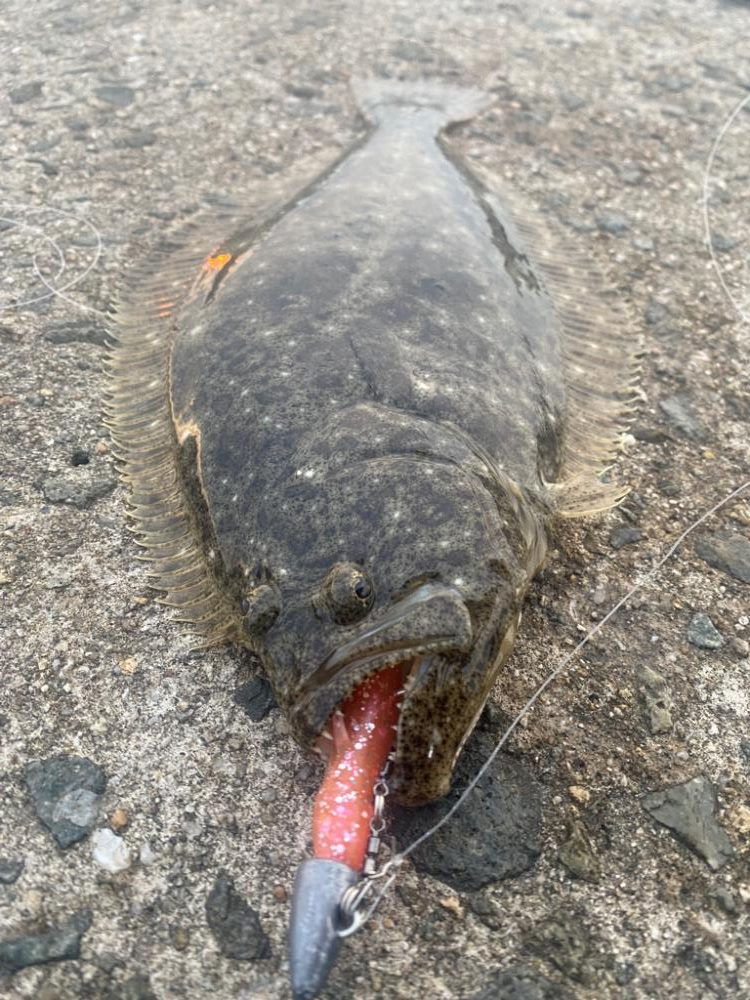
[
  {"x": 52, "y": 290},
  {"x": 389, "y": 871},
  {"x": 706, "y": 221}
]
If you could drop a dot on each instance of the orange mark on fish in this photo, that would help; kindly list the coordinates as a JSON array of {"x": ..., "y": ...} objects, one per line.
[{"x": 216, "y": 262}]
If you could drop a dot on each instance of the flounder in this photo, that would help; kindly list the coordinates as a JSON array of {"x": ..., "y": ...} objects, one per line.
[{"x": 349, "y": 420}]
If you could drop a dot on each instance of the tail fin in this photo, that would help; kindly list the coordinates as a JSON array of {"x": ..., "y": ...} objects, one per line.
[{"x": 378, "y": 97}]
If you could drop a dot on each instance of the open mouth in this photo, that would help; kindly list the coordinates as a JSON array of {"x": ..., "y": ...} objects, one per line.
[
  {"x": 432, "y": 619},
  {"x": 354, "y": 704}
]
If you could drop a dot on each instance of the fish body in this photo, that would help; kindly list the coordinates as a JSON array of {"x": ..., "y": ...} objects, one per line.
[{"x": 349, "y": 421}]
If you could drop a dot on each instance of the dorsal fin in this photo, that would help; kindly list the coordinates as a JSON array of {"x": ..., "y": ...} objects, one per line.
[
  {"x": 159, "y": 461},
  {"x": 600, "y": 354}
]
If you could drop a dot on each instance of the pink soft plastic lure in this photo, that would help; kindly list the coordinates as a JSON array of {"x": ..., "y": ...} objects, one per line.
[{"x": 363, "y": 733}]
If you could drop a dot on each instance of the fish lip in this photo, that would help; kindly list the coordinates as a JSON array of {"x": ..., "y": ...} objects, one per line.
[{"x": 381, "y": 646}]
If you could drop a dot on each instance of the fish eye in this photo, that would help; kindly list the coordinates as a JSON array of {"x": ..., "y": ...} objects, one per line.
[{"x": 349, "y": 592}]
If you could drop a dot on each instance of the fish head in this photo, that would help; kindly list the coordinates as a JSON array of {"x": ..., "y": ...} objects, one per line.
[{"x": 405, "y": 560}]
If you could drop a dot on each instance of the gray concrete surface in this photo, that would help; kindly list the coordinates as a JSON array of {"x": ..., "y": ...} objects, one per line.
[{"x": 129, "y": 115}]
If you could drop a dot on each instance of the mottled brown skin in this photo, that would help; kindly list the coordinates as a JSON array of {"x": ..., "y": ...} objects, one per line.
[{"x": 374, "y": 387}]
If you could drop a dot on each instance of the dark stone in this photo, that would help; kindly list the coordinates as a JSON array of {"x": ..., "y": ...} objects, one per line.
[
  {"x": 652, "y": 435},
  {"x": 631, "y": 175},
  {"x": 80, "y": 457},
  {"x": 303, "y": 91},
  {"x": 668, "y": 487},
  {"x": 137, "y": 987},
  {"x": 66, "y": 791},
  {"x": 703, "y": 633},
  {"x": 656, "y": 312},
  {"x": 26, "y": 92},
  {"x": 234, "y": 923},
  {"x": 77, "y": 492},
  {"x": 520, "y": 983},
  {"x": 572, "y": 102},
  {"x": 51, "y": 946},
  {"x": 486, "y": 910},
  {"x": 722, "y": 243},
  {"x": 728, "y": 551},
  {"x": 48, "y": 169},
  {"x": 745, "y": 752},
  {"x": 137, "y": 139},
  {"x": 726, "y": 901},
  {"x": 10, "y": 870},
  {"x": 563, "y": 940},
  {"x": 255, "y": 698},
  {"x": 118, "y": 97},
  {"x": 494, "y": 835},
  {"x": 689, "y": 810},
  {"x": 703, "y": 964},
  {"x": 625, "y": 536},
  {"x": 625, "y": 973},
  {"x": 82, "y": 330},
  {"x": 612, "y": 223},
  {"x": 680, "y": 415}
]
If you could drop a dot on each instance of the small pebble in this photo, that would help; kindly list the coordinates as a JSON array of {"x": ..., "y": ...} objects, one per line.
[
  {"x": 680, "y": 415},
  {"x": 453, "y": 905},
  {"x": 55, "y": 945},
  {"x": 234, "y": 924},
  {"x": 612, "y": 223},
  {"x": 10, "y": 870},
  {"x": 110, "y": 851},
  {"x": 65, "y": 792},
  {"x": 689, "y": 810},
  {"x": 118, "y": 97},
  {"x": 146, "y": 855},
  {"x": 119, "y": 819},
  {"x": 703, "y": 633},
  {"x": 625, "y": 536},
  {"x": 579, "y": 794},
  {"x": 26, "y": 92},
  {"x": 722, "y": 243},
  {"x": 728, "y": 551}
]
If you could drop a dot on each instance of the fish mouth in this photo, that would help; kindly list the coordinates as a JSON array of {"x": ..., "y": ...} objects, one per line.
[{"x": 432, "y": 619}]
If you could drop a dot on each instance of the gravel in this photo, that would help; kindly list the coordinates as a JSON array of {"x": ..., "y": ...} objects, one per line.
[
  {"x": 10, "y": 870},
  {"x": 680, "y": 415},
  {"x": 81, "y": 490},
  {"x": 255, "y": 698},
  {"x": 728, "y": 551},
  {"x": 702, "y": 632},
  {"x": 56, "y": 945},
  {"x": 110, "y": 851},
  {"x": 65, "y": 792},
  {"x": 235, "y": 924},
  {"x": 689, "y": 811}
]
